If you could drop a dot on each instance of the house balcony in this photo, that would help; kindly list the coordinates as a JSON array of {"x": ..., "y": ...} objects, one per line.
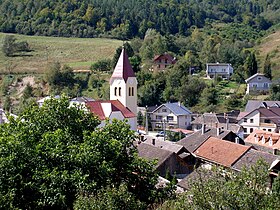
[{"x": 270, "y": 125}]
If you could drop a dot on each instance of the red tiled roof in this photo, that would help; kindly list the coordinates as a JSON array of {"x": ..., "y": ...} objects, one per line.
[
  {"x": 264, "y": 134},
  {"x": 96, "y": 108},
  {"x": 123, "y": 68},
  {"x": 222, "y": 152},
  {"x": 166, "y": 55},
  {"x": 118, "y": 106}
]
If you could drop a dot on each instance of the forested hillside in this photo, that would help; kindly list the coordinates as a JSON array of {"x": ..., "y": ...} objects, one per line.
[{"x": 125, "y": 19}]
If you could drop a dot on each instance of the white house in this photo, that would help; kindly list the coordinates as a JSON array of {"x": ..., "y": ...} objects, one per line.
[
  {"x": 223, "y": 70},
  {"x": 258, "y": 82},
  {"x": 267, "y": 119},
  {"x": 170, "y": 115}
]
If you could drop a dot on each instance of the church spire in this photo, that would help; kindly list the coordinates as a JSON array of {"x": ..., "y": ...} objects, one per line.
[{"x": 123, "y": 69}]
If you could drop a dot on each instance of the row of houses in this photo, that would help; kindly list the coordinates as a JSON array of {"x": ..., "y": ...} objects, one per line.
[
  {"x": 256, "y": 83},
  {"x": 204, "y": 149}
]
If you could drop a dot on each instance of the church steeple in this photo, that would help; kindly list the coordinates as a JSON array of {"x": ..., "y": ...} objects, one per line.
[
  {"x": 123, "y": 83},
  {"x": 123, "y": 69}
]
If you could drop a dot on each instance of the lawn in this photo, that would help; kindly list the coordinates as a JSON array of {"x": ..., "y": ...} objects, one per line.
[{"x": 79, "y": 53}]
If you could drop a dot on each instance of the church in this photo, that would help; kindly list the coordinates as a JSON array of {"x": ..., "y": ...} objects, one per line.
[{"x": 123, "y": 95}]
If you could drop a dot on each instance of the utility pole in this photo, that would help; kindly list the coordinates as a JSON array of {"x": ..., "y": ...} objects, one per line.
[{"x": 146, "y": 124}]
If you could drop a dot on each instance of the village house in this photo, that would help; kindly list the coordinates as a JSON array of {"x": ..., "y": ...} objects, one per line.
[
  {"x": 225, "y": 121},
  {"x": 216, "y": 152},
  {"x": 267, "y": 119},
  {"x": 193, "y": 141},
  {"x": 163, "y": 61},
  {"x": 223, "y": 70},
  {"x": 167, "y": 161},
  {"x": 255, "y": 104},
  {"x": 169, "y": 116},
  {"x": 258, "y": 83},
  {"x": 264, "y": 141}
]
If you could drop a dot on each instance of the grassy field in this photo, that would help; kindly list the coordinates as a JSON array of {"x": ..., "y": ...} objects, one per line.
[
  {"x": 271, "y": 45},
  {"x": 79, "y": 53}
]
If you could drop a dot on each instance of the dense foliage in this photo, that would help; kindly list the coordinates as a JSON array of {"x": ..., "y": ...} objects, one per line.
[
  {"x": 52, "y": 154},
  {"x": 220, "y": 189},
  {"x": 129, "y": 18}
]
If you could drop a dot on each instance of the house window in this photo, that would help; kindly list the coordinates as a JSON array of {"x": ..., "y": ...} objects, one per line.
[
  {"x": 120, "y": 91},
  {"x": 245, "y": 120},
  {"x": 270, "y": 142},
  {"x": 251, "y": 130},
  {"x": 245, "y": 130},
  {"x": 165, "y": 60},
  {"x": 265, "y": 85},
  {"x": 116, "y": 91},
  {"x": 251, "y": 120},
  {"x": 269, "y": 130},
  {"x": 132, "y": 91},
  {"x": 267, "y": 121},
  {"x": 164, "y": 110},
  {"x": 170, "y": 118},
  {"x": 158, "y": 117},
  {"x": 259, "y": 78}
]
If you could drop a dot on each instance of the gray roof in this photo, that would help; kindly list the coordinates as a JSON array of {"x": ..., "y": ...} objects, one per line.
[
  {"x": 176, "y": 108},
  {"x": 82, "y": 99},
  {"x": 254, "y": 104},
  {"x": 151, "y": 152},
  {"x": 193, "y": 141},
  {"x": 167, "y": 145},
  {"x": 196, "y": 176},
  {"x": 260, "y": 75},
  {"x": 251, "y": 157}
]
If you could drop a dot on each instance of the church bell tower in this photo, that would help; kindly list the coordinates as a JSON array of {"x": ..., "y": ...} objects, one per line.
[{"x": 123, "y": 83}]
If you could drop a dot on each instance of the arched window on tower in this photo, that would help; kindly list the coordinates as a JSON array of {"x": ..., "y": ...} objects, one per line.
[
  {"x": 129, "y": 91},
  {"x": 116, "y": 89},
  {"x": 120, "y": 91},
  {"x": 132, "y": 91}
]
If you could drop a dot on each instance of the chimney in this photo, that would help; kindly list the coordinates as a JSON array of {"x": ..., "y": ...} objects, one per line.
[
  {"x": 203, "y": 129},
  {"x": 237, "y": 140},
  {"x": 154, "y": 142},
  {"x": 227, "y": 122},
  {"x": 179, "y": 103},
  {"x": 218, "y": 129}
]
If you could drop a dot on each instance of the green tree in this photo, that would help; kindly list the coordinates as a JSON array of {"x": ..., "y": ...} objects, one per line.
[
  {"x": 251, "y": 64},
  {"x": 275, "y": 92},
  {"x": 49, "y": 155},
  {"x": 267, "y": 67},
  {"x": 209, "y": 96},
  {"x": 101, "y": 65},
  {"x": 9, "y": 47},
  {"x": 225, "y": 189}
]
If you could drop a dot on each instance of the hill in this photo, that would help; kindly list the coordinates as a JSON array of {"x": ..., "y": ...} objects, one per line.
[
  {"x": 126, "y": 19},
  {"x": 79, "y": 53},
  {"x": 271, "y": 45}
]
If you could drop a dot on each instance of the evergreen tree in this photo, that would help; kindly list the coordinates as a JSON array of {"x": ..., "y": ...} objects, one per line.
[
  {"x": 251, "y": 65},
  {"x": 267, "y": 67}
]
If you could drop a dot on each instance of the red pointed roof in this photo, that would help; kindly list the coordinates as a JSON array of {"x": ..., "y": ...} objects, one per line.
[
  {"x": 96, "y": 108},
  {"x": 123, "y": 69}
]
